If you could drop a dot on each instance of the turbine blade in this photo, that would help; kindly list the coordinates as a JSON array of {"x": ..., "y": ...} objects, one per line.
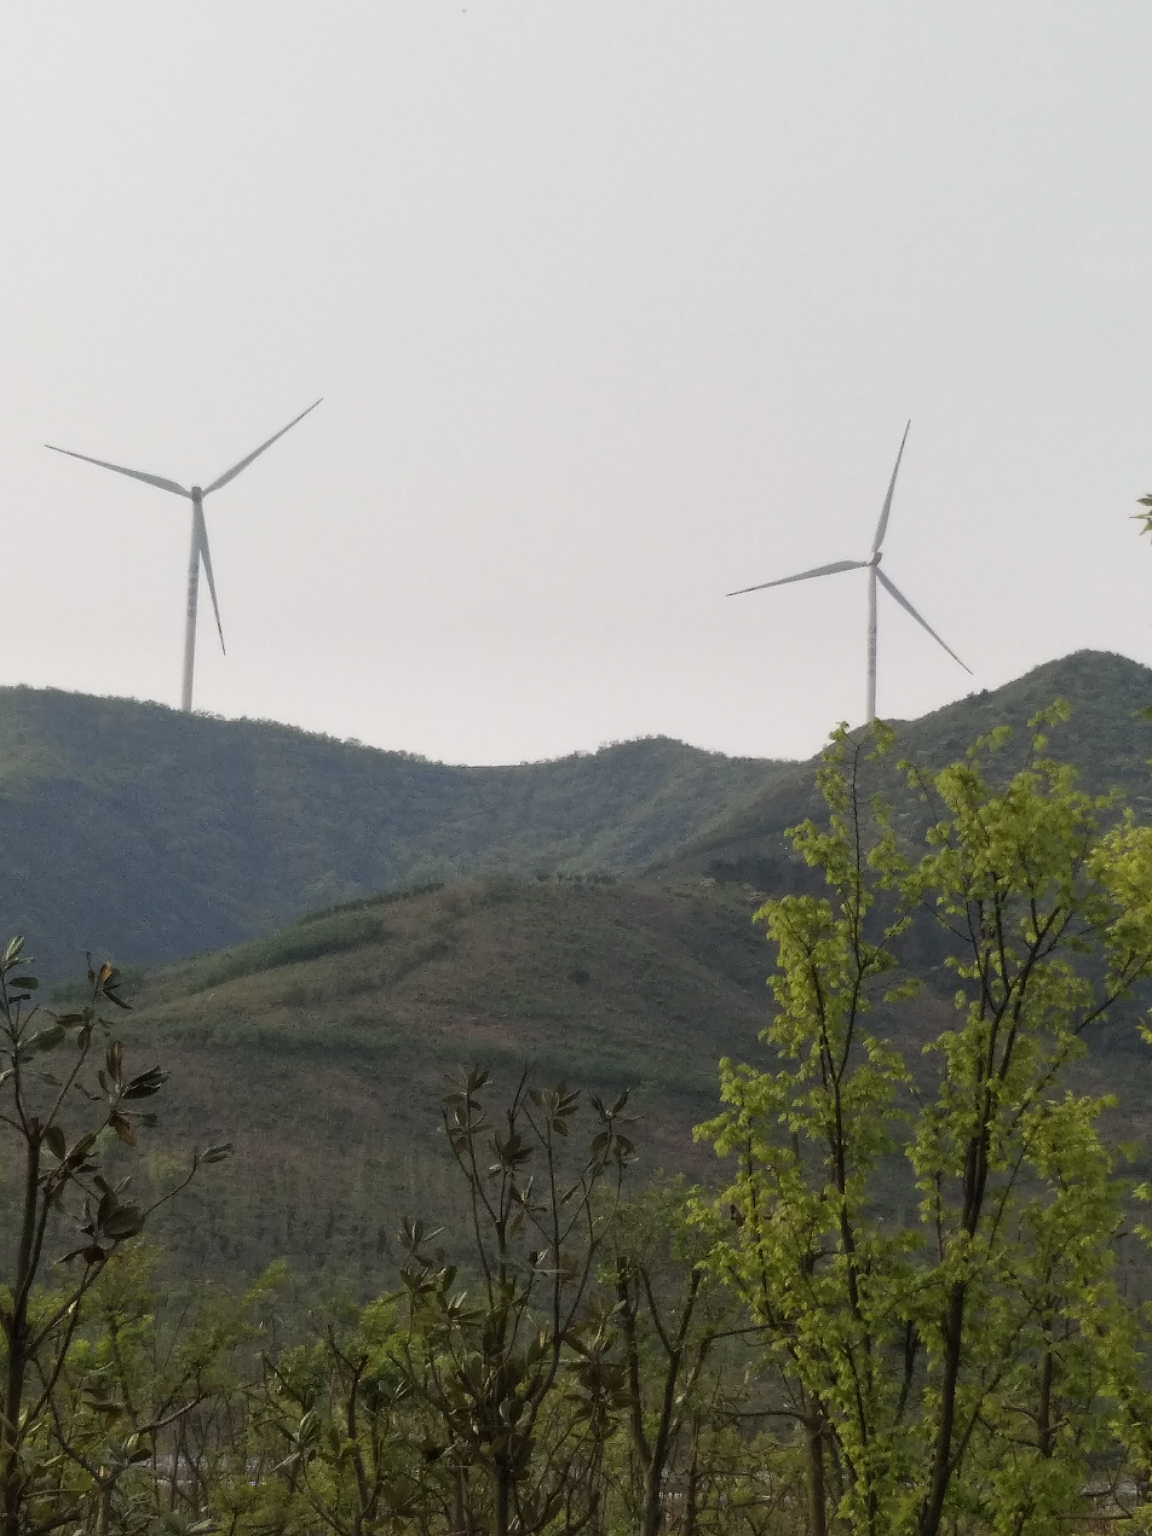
[
  {"x": 882, "y": 525},
  {"x": 907, "y": 606},
  {"x": 205, "y": 555},
  {"x": 230, "y": 474},
  {"x": 821, "y": 570},
  {"x": 135, "y": 474}
]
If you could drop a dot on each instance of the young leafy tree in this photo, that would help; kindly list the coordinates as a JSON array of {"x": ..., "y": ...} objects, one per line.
[
  {"x": 949, "y": 1337},
  {"x": 677, "y": 1323},
  {"x": 150, "y": 1405},
  {"x": 62, "y": 1126}
]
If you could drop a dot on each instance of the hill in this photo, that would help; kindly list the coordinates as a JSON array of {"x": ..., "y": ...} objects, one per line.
[
  {"x": 1107, "y": 738},
  {"x": 323, "y": 1052},
  {"x": 141, "y": 832},
  {"x": 323, "y": 1049}
]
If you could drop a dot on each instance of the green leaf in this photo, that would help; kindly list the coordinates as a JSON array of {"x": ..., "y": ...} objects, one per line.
[
  {"x": 46, "y": 1039},
  {"x": 125, "y": 1221},
  {"x": 146, "y": 1084}
]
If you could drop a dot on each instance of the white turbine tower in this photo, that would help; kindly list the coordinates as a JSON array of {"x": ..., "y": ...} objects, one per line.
[
  {"x": 199, "y": 550},
  {"x": 875, "y": 574}
]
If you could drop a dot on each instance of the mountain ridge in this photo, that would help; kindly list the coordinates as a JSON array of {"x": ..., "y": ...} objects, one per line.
[
  {"x": 142, "y": 832},
  {"x": 1106, "y": 738},
  {"x": 138, "y": 831}
]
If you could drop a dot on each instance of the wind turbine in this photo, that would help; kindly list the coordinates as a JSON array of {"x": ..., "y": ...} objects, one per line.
[
  {"x": 199, "y": 550},
  {"x": 875, "y": 574}
]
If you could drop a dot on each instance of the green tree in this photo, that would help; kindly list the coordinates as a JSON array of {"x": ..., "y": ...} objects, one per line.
[
  {"x": 521, "y": 1380},
  {"x": 929, "y": 1244},
  {"x": 674, "y": 1318},
  {"x": 62, "y": 1129}
]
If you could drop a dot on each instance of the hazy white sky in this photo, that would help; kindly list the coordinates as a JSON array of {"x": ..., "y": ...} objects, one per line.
[{"x": 616, "y": 305}]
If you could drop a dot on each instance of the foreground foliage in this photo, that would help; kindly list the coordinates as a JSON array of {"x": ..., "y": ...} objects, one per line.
[{"x": 966, "y": 1360}]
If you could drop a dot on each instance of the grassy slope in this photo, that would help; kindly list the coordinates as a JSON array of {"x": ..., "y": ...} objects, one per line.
[
  {"x": 327, "y": 1072},
  {"x": 141, "y": 832}
]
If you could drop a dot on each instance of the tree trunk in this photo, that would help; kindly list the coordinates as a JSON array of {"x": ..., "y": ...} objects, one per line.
[
  {"x": 933, "y": 1509},
  {"x": 692, "y": 1492},
  {"x": 503, "y": 1510},
  {"x": 11, "y": 1475},
  {"x": 817, "y": 1502}
]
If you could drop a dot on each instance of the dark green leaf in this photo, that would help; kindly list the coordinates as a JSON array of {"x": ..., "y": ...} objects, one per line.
[
  {"x": 47, "y": 1038},
  {"x": 124, "y": 1222},
  {"x": 146, "y": 1084}
]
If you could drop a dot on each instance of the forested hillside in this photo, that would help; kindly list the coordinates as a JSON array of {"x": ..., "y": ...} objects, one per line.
[
  {"x": 321, "y": 1053},
  {"x": 138, "y": 831},
  {"x": 322, "y": 1049},
  {"x": 1107, "y": 737}
]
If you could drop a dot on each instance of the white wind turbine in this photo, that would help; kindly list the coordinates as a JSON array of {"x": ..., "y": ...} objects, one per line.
[
  {"x": 875, "y": 574},
  {"x": 199, "y": 550}
]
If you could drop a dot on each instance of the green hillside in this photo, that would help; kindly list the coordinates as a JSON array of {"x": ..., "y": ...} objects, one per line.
[
  {"x": 137, "y": 831},
  {"x": 1107, "y": 739},
  {"x": 323, "y": 1052},
  {"x": 141, "y": 832}
]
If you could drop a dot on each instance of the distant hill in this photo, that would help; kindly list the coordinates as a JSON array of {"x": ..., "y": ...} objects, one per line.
[
  {"x": 1106, "y": 738},
  {"x": 147, "y": 834},
  {"x": 141, "y": 832}
]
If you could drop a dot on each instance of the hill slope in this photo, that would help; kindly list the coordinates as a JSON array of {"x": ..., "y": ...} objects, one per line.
[
  {"x": 323, "y": 1053},
  {"x": 322, "y": 1050},
  {"x": 144, "y": 833},
  {"x": 1106, "y": 738}
]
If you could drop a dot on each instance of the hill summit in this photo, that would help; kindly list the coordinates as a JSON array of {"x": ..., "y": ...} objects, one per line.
[{"x": 1107, "y": 738}]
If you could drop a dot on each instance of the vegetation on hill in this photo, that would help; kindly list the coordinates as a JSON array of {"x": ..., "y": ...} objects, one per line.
[
  {"x": 322, "y": 1048},
  {"x": 1107, "y": 739},
  {"x": 323, "y": 1051},
  {"x": 138, "y": 831}
]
